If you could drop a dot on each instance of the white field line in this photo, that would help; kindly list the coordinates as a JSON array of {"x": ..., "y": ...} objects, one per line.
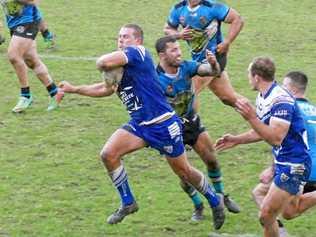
[{"x": 63, "y": 58}]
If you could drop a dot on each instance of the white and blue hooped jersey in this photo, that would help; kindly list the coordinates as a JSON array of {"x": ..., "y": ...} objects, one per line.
[
  {"x": 205, "y": 20},
  {"x": 278, "y": 104},
  {"x": 178, "y": 88},
  {"x": 140, "y": 90},
  {"x": 308, "y": 112},
  {"x": 19, "y": 14}
]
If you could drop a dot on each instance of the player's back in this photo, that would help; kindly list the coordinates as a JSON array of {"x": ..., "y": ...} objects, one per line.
[
  {"x": 139, "y": 89},
  {"x": 309, "y": 115}
]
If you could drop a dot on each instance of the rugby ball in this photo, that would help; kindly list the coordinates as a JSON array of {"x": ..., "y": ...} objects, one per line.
[{"x": 113, "y": 77}]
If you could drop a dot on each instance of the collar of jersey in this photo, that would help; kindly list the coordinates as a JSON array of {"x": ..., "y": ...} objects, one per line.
[{"x": 274, "y": 84}]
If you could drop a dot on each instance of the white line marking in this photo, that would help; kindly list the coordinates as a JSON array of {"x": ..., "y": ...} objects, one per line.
[{"x": 63, "y": 58}]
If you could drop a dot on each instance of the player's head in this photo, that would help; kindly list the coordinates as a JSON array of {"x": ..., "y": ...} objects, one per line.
[
  {"x": 261, "y": 69},
  {"x": 168, "y": 50},
  {"x": 130, "y": 34},
  {"x": 296, "y": 82}
]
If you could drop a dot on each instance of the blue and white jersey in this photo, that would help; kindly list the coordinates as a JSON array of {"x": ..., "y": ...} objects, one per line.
[
  {"x": 205, "y": 20},
  {"x": 179, "y": 88},
  {"x": 140, "y": 90},
  {"x": 278, "y": 104},
  {"x": 308, "y": 112},
  {"x": 19, "y": 14}
]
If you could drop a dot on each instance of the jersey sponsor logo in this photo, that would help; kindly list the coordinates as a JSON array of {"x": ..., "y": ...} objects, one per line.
[
  {"x": 182, "y": 20},
  {"x": 281, "y": 113},
  {"x": 130, "y": 100},
  {"x": 169, "y": 89},
  {"x": 284, "y": 177},
  {"x": 20, "y": 29},
  {"x": 168, "y": 149},
  {"x": 203, "y": 20}
]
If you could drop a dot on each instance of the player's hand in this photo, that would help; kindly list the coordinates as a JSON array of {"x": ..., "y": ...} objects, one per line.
[
  {"x": 226, "y": 142},
  {"x": 65, "y": 86},
  {"x": 266, "y": 176},
  {"x": 222, "y": 47},
  {"x": 245, "y": 108},
  {"x": 186, "y": 33},
  {"x": 210, "y": 57}
]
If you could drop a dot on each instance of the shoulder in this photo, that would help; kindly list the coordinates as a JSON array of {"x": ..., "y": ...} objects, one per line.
[
  {"x": 136, "y": 50},
  {"x": 280, "y": 95}
]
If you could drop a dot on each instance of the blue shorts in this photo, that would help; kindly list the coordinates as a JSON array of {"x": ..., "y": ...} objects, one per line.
[
  {"x": 166, "y": 137},
  {"x": 289, "y": 179}
]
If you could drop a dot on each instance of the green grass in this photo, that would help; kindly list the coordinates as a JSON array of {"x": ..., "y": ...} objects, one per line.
[{"x": 51, "y": 180}]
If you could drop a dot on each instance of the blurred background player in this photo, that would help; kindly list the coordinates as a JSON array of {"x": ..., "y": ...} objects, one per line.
[
  {"x": 22, "y": 19},
  {"x": 296, "y": 83},
  {"x": 175, "y": 77},
  {"x": 201, "y": 27}
]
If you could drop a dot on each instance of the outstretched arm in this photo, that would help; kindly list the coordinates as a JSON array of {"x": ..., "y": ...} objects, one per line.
[
  {"x": 229, "y": 141},
  {"x": 94, "y": 90},
  {"x": 236, "y": 24}
]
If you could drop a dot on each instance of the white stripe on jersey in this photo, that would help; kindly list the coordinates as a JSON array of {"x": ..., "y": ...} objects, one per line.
[{"x": 280, "y": 120}]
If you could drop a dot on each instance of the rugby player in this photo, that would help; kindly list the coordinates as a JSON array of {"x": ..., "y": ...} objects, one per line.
[
  {"x": 153, "y": 123},
  {"x": 175, "y": 77},
  {"x": 278, "y": 121},
  {"x": 201, "y": 28}
]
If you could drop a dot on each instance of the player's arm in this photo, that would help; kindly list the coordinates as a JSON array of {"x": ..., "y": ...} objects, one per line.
[
  {"x": 184, "y": 34},
  {"x": 236, "y": 24},
  {"x": 229, "y": 141},
  {"x": 274, "y": 133},
  {"x": 112, "y": 60},
  {"x": 93, "y": 90},
  {"x": 211, "y": 68}
]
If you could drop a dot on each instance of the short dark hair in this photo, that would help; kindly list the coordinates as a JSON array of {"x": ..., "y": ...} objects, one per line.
[
  {"x": 161, "y": 43},
  {"x": 298, "y": 79},
  {"x": 138, "y": 31},
  {"x": 263, "y": 67}
]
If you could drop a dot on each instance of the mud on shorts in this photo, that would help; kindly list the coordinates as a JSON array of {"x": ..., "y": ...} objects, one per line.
[
  {"x": 28, "y": 30},
  {"x": 192, "y": 128}
]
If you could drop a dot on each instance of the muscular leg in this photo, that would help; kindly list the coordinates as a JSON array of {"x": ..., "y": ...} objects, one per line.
[
  {"x": 17, "y": 48},
  {"x": 259, "y": 192},
  {"x": 223, "y": 89},
  {"x": 189, "y": 174},
  {"x": 274, "y": 202},
  {"x": 299, "y": 205},
  {"x": 120, "y": 143},
  {"x": 34, "y": 62}
]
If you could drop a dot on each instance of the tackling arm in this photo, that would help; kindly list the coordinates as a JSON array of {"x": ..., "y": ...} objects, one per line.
[
  {"x": 111, "y": 60},
  {"x": 211, "y": 68}
]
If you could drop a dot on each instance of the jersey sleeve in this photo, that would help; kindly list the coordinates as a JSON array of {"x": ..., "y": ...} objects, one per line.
[
  {"x": 220, "y": 11},
  {"x": 283, "y": 111},
  {"x": 134, "y": 55},
  {"x": 173, "y": 18},
  {"x": 192, "y": 67}
]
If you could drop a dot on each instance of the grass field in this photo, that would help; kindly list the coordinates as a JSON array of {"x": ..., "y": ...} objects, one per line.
[{"x": 51, "y": 180}]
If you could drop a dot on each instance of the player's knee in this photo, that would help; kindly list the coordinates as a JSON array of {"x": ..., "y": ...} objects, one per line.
[
  {"x": 108, "y": 156},
  {"x": 13, "y": 57},
  {"x": 266, "y": 217},
  {"x": 255, "y": 193},
  {"x": 30, "y": 63}
]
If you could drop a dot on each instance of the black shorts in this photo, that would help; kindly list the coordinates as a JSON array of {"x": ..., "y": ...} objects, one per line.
[
  {"x": 309, "y": 187},
  {"x": 192, "y": 128},
  {"x": 222, "y": 60},
  {"x": 28, "y": 30}
]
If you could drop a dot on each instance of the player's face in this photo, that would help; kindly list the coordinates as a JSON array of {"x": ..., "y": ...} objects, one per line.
[
  {"x": 252, "y": 80},
  {"x": 173, "y": 54},
  {"x": 126, "y": 38},
  {"x": 194, "y": 3}
]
